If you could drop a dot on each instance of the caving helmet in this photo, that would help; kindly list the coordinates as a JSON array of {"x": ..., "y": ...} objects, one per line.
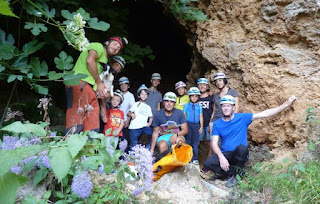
[
  {"x": 121, "y": 40},
  {"x": 118, "y": 93},
  {"x": 194, "y": 91},
  {"x": 202, "y": 81},
  {"x": 170, "y": 96},
  {"x": 123, "y": 80},
  {"x": 180, "y": 84},
  {"x": 142, "y": 87},
  {"x": 227, "y": 99},
  {"x": 120, "y": 60},
  {"x": 155, "y": 76}
]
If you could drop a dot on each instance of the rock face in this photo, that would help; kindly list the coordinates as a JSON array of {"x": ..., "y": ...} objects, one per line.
[
  {"x": 269, "y": 50},
  {"x": 184, "y": 185}
]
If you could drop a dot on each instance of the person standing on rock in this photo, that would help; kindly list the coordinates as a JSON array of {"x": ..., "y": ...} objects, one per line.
[
  {"x": 169, "y": 125},
  {"x": 232, "y": 128},
  {"x": 155, "y": 97}
]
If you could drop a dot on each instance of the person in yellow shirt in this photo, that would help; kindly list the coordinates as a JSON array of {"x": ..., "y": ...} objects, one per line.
[{"x": 182, "y": 98}]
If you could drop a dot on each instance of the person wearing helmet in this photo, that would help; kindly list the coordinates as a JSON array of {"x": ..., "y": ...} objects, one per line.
[
  {"x": 141, "y": 118},
  {"x": 206, "y": 101},
  {"x": 169, "y": 125},
  {"x": 155, "y": 97},
  {"x": 220, "y": 80},
  {"x": 232, "y": 128},
  {"x": 182, "y": 98},
  {"x": 85, "y": 94},
  {"x": 128, "y": 102},
  {"x": 114, "y": 122},
  {"x": 194, "y": 116}
]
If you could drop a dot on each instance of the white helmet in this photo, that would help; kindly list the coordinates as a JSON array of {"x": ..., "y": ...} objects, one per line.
[
  {"x": 120, "y": 94},
  {"x": 227, "y": 99},
  {"x": 142, "y": 87},
  {"x": 194, "y": 91},
  {"x": 202, "y": 81},
  {"x": 170, "y": 96},
  {"x": 180, "y": 84},
  {"x": 219, "y": 75},
  {"x": 156, "y": 76},
  {"x": 123, "y": 80}
]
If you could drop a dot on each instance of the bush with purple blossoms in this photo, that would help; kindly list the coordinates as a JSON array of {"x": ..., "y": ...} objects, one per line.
[{"x": 82, "y": 185}]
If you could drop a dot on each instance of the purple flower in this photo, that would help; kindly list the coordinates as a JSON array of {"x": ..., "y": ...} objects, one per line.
[
  {"x": 53, "y": 134},
  {"x": 16, "y": 169},
  {"x": 43, "y": 159},
  {"x": 101, "y": 168},
  {"x": 23, "y": 141},
  {"x": 29, "y": 159},
  {"x": 143, "y": 164},
  {"x": 82, "y": 185},
  {"x": 123, "y": 145},
  {"x": 9, "y": 142}
]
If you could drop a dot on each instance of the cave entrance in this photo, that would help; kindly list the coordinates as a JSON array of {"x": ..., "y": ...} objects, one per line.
[{"x": 149, "y": 25}]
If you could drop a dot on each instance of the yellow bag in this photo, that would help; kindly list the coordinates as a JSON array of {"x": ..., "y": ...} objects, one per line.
[{"x": 178, "y": 155}]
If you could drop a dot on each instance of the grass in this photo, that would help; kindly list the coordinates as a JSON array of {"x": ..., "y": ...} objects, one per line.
[{"x": 291, "y": 182}]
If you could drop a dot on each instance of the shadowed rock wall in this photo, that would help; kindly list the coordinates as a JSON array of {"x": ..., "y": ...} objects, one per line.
[{"x": 269, "y": 51}]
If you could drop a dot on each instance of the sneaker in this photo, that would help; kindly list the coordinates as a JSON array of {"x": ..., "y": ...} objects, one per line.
[
  {"x": 196, "y": 162},
  {"x": 232, "y": 181}
]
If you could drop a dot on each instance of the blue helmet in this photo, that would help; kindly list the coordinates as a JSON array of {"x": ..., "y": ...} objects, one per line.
[
  {"x": 227, "y": 99},
  {"x": 123, "y": 80},
  {"x": 203, "y": 81},
  {"x": 142, "y": 87},
  {"x": 194, "y": 91}
]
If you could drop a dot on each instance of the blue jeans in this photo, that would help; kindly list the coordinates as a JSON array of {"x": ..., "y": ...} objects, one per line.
[
  {"x": 192, "y": 138},
  {"x": 135, "y": 134},
  {"x": 205, "y": 133}
]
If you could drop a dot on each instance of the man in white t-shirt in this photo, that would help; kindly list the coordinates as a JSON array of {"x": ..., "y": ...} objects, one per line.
[
  {"x": 127, "y": 103},
  {"x": 141, "y": 115}
]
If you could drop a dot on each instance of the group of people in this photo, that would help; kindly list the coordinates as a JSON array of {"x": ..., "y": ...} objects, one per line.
[{"x": 190, "y": 116}]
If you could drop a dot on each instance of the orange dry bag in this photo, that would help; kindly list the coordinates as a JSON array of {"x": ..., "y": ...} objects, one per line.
[{"x": 178, "y": 155}]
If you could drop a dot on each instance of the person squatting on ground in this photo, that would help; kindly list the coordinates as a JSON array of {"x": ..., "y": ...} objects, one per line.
[
  {"x": 82, "y": 103},
  {"x": 206, "y": 101},
  {"x": 169, "y": 125},
  {"x": 194, "y": 116},
  {"x": 155, "y": 97},
  {"x": 232, "y": 128},
  {"x": 128, "y": 101},
  {"x": 141, "y": 118},
  {"x": 182, "y": 97},
  {"x": 114, "y": 122}
]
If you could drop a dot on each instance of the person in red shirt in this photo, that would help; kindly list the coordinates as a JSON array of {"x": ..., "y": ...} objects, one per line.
[{"x": 114, "y": 122}]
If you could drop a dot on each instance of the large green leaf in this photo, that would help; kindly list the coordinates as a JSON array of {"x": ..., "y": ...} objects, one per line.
[
  {"x": 9, "y": 184},
  {"x": 76, "y": 143},
  {"x": 41, "y": 89},
  {"x": 51, "y": 13},
  {"x": 101, "y": 25},
  {"x": 85, "y": 15},
  {"x": 10, "y": 158},
  {"x": 6, "y": 39},
  {"x": 2, "y": 68},
  {"x": 6, "y": 51},
  {"x": 72, "y": 79},
  {"x": 63, "y": 62},
  {"x": 36, "y": 67},
  {"x": 66, "y": 14},
  {"x": 60, "y": 160},
  {"x": 43, "y": 68},
  {"x": 21, "y": 62},
  {"x": 36, "y": 28},
  {"x": 40, "y": 175},
  {"x": 11, "y": 78},
  {"x": 5, "y": 9},
  {"x": 32, "y": 47},
  {"x": 54, "y": 75},
  {"x": 18, "y": 127}
]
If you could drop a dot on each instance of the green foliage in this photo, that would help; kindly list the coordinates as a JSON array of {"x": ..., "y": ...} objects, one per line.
[
  {"x": 5, "y": 9},
  {"x": 61, "y": 161},
  {"x": 12, "y": 157},
  {"x": 18, "y": 127},
  {"x": 76, "y": 143},
  {"x": 9, "y": 183},
  {"x": 135, "y": 53},
  {"x": 311, "y": 115},
  {"x": 290, "y": 182},
  {"x": 181, "y": 9}
]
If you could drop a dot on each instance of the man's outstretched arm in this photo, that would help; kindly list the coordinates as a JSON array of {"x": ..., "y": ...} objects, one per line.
[{"x": 273, "y": 111}]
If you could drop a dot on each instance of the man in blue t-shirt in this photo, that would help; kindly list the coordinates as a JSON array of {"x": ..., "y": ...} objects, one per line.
[
  {"x": 232, "y": 129},
  {"x": 169, "y": 124}
]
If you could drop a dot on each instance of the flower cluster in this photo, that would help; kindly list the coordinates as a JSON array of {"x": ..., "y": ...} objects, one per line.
[
  {"x": 82, "y": 185},
  {"x": 13, "y": 142},
  {"x": 123, "y": 145},
  {"x": 75, "y": 33},
  {"x": 142, "y": 159}
]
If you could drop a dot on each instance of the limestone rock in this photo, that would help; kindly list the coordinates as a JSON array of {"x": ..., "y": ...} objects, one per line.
[
  {"x": 184, "y": 185},
  {"x": 269, "y": 50}
]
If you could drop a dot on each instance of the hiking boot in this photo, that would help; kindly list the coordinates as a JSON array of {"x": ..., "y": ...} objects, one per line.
[
  {"x": 218, "y": 177},
  {"x": 196, "y": 162},
  {"x": 232, "y": 181}
]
